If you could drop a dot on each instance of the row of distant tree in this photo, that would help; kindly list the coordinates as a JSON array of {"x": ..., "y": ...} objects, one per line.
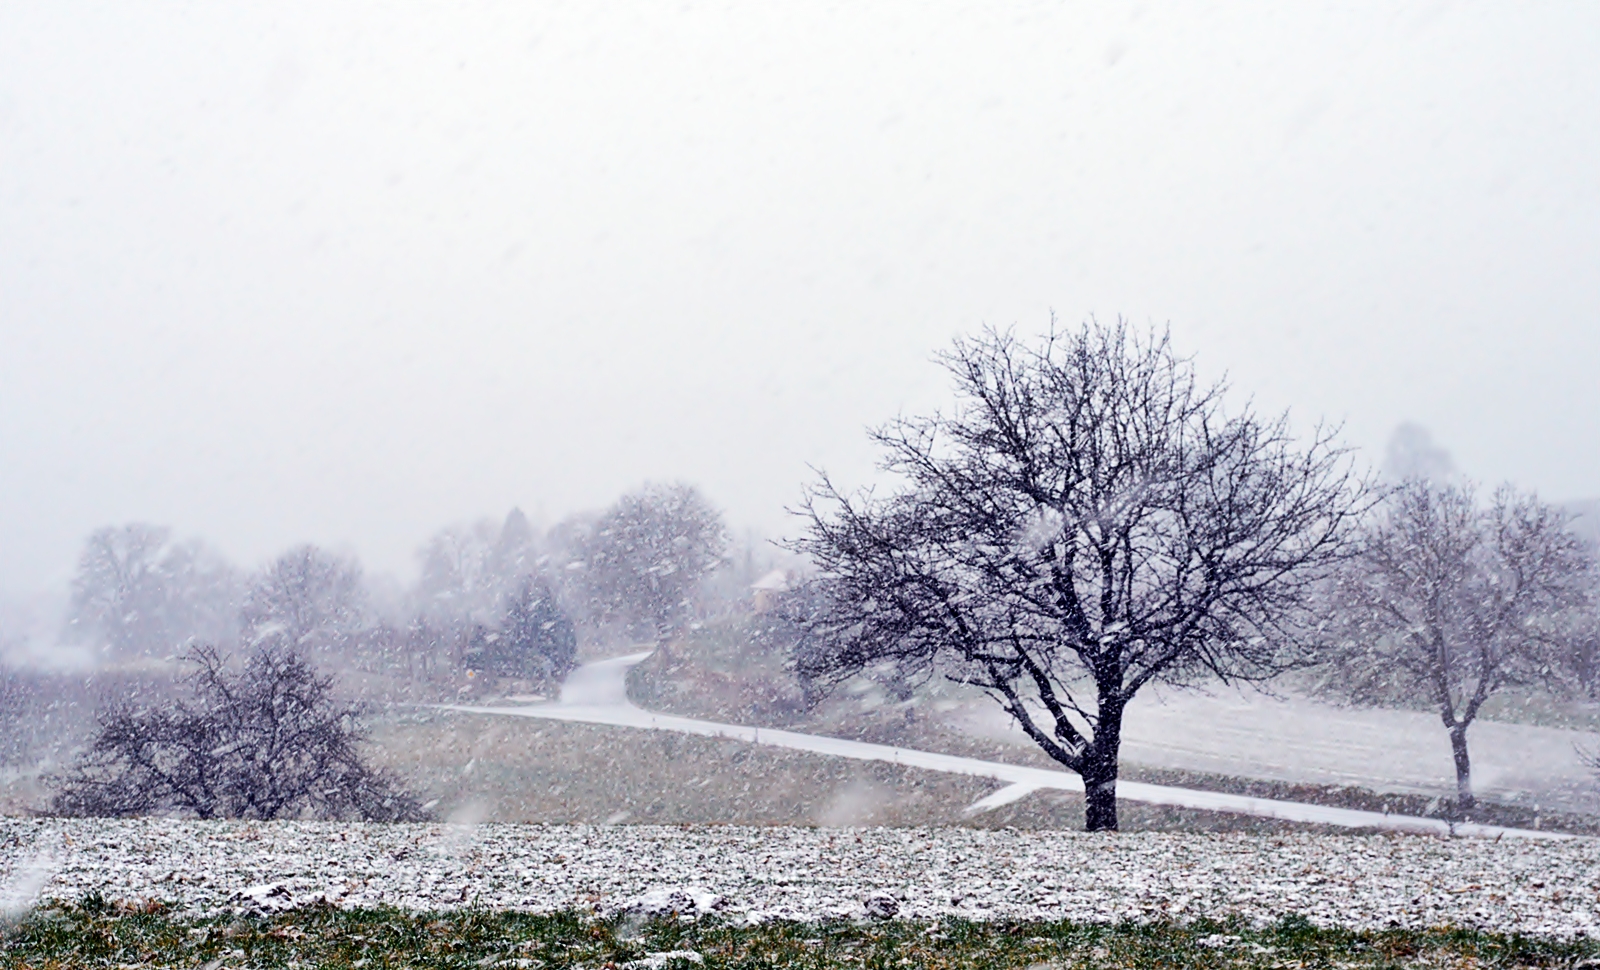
[
  {"x": 501, "y": 598},
  {"x": 265, "y": 734}
]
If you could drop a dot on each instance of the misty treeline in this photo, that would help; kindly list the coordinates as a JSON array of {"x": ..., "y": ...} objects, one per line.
[
  {"x": 1091, "y": 519},
  {"x": 214, "y": 694},
  {"x": 495, "y": 599}
]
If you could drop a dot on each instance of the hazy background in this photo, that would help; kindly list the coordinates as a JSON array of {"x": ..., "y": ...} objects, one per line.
[{"x": 345, "y": 272}]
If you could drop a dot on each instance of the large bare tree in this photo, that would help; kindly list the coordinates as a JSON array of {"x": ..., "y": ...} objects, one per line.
[
  {"x": 1088, "y": 520},
  {"x": 1450, "y": 601}
]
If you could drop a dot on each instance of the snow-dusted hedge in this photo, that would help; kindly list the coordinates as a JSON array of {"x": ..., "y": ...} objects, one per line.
[{"x": 764, "y": 873}]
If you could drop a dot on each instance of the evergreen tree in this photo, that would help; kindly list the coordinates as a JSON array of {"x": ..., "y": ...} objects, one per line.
[{"x": 536, "y": 639}]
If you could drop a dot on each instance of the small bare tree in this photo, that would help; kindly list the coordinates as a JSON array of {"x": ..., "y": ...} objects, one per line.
[
  {"x": 269, "y": 742},
  {"x": 18, "y": 695},
  {"x": 1591, "y": 757},
  {"x": 1448, "y": 602},
  {"x": 1088, "y": 521},
  {"x": 1578, "y": 653}
]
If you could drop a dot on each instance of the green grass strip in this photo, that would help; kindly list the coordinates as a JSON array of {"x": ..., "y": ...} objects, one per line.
[{"x": 94, "y": 933}]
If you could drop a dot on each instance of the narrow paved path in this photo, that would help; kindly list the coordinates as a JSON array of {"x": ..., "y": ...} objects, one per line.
[{"x": 597, "y": 693}]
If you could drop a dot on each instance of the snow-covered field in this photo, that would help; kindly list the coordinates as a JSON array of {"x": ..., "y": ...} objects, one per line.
[
  {"x": 764, "y": 873},
  {"x": 597, "y": 693},
  {"x": 1299, "y": 740}
]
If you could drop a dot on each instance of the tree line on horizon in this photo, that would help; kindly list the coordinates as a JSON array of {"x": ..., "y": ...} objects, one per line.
[{"x": 497, "y": 599}]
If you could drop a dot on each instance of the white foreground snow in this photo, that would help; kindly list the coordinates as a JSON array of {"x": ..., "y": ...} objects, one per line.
[{"x": 767, "y": 873}]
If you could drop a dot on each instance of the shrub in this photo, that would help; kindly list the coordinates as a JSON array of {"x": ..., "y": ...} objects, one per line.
[{"x": 268, "y": 742}]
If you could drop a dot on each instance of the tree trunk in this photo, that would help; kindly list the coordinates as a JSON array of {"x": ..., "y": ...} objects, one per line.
[
  {"x": 1100, "y": 772},
  {"x": 1100, "y": 798},
  {"x": 1458, "y": 747}
]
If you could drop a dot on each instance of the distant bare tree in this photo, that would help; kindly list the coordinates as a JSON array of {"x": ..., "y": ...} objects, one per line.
[
  {"x": 309, "y": 596},
  {"x": 515, "y": 549},
  {"x": 1089, "y": 520},
  {"x": 1580, "y": 659},
  {"x": 269, "y": 742},
  {"x": 428, "y": 649},
  {"x": 1591, "y": 757},
  {"x": 644, "y": 560},
  {"x": 1449, "y": 602},
  {"x": 137, "y": 592},
  {"x": 16, "y": 699},
  {"x": 461, "y": 583}
]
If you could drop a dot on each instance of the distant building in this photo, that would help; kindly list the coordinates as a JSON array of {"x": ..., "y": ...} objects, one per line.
[{"x": 766, "y": 590}]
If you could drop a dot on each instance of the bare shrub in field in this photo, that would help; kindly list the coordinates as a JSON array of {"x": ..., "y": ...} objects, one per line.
[{"x": 271, "y": 741}]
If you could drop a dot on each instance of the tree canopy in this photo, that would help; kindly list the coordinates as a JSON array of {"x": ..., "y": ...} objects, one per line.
[{"x": 644, "y": 559}]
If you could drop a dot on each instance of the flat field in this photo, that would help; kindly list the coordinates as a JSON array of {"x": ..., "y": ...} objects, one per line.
[
  {"x": 753, "y": 875},
  {"x": 483, "y": 768}
]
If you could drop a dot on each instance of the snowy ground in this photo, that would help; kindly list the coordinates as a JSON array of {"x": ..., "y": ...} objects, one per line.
[
  {"x": 1299, "y": 740},
  {"x": 764, "y": 873},
  {"x": 596, "y": 693}
]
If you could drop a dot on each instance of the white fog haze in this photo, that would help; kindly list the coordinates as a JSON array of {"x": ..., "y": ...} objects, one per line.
[
  {"x": 291, "y": 272},
  {"x": 700, "y": 470}
]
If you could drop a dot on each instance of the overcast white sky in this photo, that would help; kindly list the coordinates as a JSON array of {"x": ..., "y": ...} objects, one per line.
[{"x": 347, "y": 272}]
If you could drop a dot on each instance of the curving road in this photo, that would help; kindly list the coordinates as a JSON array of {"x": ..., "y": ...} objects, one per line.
[{"x": 597, "y": 693}]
